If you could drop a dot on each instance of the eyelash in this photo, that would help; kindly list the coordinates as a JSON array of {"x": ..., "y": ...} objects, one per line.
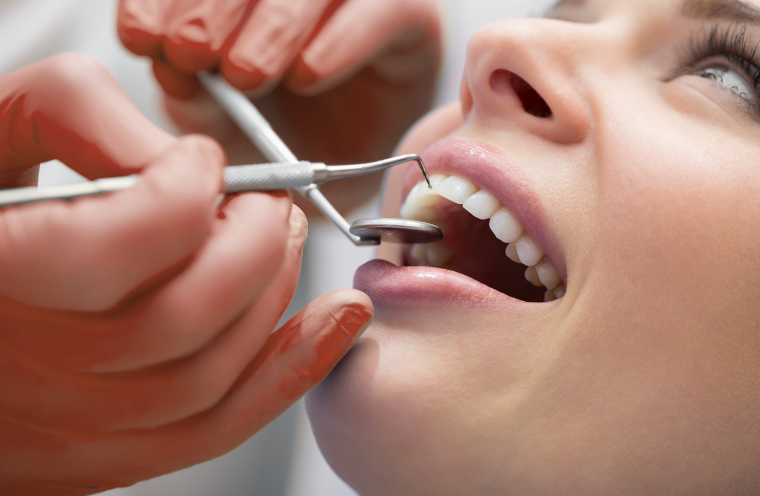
[{"x": 729, "y": 42}]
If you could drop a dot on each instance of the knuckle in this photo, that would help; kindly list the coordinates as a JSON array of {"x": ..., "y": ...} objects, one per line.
[
  {"x": 73, "y": 68},
  {"x": 73, "y": 74}
]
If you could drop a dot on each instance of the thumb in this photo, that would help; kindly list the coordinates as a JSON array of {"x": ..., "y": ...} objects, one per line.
[
  {"x": 299, "y": 355},
  {"x": 307, "y": 347},
  {"x": 293, "y": 360}
]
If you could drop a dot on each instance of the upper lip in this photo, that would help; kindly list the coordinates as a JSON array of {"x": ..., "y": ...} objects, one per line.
[{"x": 487, "y": 167}]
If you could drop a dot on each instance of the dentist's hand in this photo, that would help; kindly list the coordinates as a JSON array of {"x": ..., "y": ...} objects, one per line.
[
  {"x": 136, "y": 327},
  {"x": 340, "y": 80}
]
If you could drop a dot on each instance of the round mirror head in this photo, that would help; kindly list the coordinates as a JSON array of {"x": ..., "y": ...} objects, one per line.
[{"x": 397, "y": 230}]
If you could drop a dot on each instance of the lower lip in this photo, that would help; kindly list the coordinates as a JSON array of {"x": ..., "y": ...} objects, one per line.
[{"x": 384, "y": 282}]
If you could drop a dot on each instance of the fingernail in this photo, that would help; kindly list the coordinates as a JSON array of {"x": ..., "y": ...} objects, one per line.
[
  {"x": 349, "y": 321},
  {"x": 355, "y": 318}
]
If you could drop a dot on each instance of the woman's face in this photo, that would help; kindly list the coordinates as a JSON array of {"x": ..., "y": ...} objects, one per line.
[{"x": 623, "y": 136}]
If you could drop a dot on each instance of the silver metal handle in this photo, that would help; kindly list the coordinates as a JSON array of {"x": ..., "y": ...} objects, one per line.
[
  {"x": 238, "y": 179},
  {"x": 257, "y": 129},
  {"x": 20, "y": 196}
]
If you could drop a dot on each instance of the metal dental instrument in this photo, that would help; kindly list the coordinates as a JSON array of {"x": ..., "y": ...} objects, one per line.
[
  {"x": 257, "y": 129},
  {"x": 237, "y": 179},
  {"x": 397, "y": 230}
]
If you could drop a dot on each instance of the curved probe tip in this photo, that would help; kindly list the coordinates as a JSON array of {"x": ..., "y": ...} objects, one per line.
[{"x": 424, "y": 172}]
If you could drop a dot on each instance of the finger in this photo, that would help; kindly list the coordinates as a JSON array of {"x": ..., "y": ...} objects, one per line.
[
  {"x": 243, "y": 254},
  {"x": 151, "y": 397},
  {"x": 240, "y": 262},
  {"x": 142, "y": 28},
  {"x": 140, "y": 25},
  {"x": 69, "y": 107},
  {"x": 89, "y": 254},
  {"x": 197, "y": 30},
  {"x": 343, "y": 46},
  {"x": 182, "y": 37},
  {"x": 270, "y": 40},
  {"x": 294, "y": 360},
  {"x": 176, "y": 84}
]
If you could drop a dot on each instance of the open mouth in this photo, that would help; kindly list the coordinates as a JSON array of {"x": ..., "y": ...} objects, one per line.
[{"x": 483, "y": 238}]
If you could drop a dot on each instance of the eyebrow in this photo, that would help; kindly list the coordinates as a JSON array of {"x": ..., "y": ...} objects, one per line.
[{"x": 732, "y": 10}]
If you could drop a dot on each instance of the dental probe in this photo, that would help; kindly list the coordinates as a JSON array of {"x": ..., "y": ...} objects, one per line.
[
  {"x": 237, "y": 179},
  {"x": 250, "y": 121}
]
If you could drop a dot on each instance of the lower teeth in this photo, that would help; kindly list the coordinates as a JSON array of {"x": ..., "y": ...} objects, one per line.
[
  {"x": 434, "y": 255},
  {"x": 482, "y": 205}
]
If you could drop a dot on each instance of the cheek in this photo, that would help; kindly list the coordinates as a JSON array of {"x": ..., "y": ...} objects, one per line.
[{"x": 681, "y": 206}]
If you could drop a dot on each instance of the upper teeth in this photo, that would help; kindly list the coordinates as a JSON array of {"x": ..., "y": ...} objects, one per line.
[
  {"x": 455, "y": 189},
  {"x": 483, "y": 205}
]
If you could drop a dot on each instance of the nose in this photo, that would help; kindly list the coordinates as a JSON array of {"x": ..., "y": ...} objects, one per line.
[{"x": 526, "y": 73}]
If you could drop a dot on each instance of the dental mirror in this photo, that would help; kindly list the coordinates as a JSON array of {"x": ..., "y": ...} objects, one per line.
[{"x": 396, "y": 230}]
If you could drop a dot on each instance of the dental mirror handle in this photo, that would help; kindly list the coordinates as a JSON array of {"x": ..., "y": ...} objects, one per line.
[
  {"x": 237, "y": 179},
  {"x": 257, "y": 129},
  {"x": 19, "y": 196}
]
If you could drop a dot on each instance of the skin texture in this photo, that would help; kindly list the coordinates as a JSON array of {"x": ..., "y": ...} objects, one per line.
[
  {"x": 643, "y": 378},
  {"x": 339, "y": 80},
  {"x": 136, "y": 333}
]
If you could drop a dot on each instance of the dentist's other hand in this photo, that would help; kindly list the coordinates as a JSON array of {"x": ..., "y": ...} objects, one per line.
[
  {"x": 340, "y": 80},
  {"x": 136, "y": 327}
]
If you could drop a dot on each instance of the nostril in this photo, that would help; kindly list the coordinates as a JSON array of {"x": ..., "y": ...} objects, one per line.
[
  {"x": 531, "y": 100},
  {"x": 503, "y": 81}
]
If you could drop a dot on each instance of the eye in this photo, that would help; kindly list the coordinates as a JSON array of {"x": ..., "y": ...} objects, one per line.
[{"x": 731, "y": 80}]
